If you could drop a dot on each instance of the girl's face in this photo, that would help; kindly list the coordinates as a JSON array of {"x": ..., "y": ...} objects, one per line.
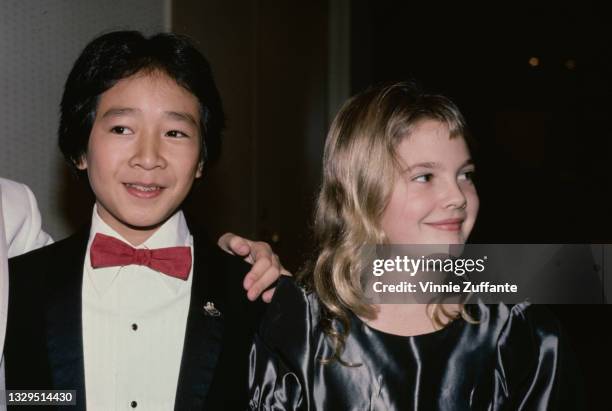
[{"x": 433, "y": 200}]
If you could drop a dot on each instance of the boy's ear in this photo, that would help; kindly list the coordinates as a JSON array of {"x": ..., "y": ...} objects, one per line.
[
  {"x": 200, "y": 169},
  {"x": 81, "y": 162}
]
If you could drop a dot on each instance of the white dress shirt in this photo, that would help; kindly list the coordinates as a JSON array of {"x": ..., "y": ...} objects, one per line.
[{"x": 134, "y": 321}]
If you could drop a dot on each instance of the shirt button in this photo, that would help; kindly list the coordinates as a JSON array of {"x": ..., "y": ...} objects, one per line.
[
  {"x": 134, "y": 327},
  {"x": 133, "y": 404}
]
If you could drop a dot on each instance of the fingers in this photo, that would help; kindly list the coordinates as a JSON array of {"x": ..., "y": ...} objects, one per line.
[
  {"x": 260, "y": 249},
  {"x": 267, "y": 295},
  {"x": 269, "y": 292},
  {"x": 234, "y": 244},
  {"x": 265, "y": 273},
  {"x": 224, "y": 242},
  {"x": 266, "y": 265}
]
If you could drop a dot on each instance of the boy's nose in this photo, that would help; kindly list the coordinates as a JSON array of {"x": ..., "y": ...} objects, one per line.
[{"x": 148, "y": 154}]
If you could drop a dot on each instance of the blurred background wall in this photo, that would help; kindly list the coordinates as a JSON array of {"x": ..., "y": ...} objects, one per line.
[
  {"x": 39, "y": 41},
  {"x": 270, "y": 60}
]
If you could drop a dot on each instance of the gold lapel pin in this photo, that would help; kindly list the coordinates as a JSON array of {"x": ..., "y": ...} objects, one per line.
[{"x": 209, "y": 309}]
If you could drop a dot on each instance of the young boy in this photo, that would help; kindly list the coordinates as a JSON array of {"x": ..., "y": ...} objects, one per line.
[{"x": 137, "y": 310}]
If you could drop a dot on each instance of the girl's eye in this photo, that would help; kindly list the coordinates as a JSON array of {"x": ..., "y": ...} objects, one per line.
[
  {"x": 467, "y": 176},
  {"x": 176, "y": 133},
  {"x": 120, "y": 130},
  {"x": 423, "y": 178}
]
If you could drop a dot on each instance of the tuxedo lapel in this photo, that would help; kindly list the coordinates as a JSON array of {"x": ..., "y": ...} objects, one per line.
[
  {"x": 64, "y": 319},
  {"x": 203, "y": 334}
]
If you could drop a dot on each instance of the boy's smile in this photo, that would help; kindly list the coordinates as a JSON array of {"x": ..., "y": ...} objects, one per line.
[{"x": 143, "y": 153}]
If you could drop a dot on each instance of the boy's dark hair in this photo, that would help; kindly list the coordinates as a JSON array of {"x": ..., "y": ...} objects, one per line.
[{"x": 120, "y": 54}]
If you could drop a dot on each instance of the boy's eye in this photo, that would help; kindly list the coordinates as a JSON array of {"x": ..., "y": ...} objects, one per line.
[
  {"x": 423, "y": 178},
  {"x": 176, "y": 133},
  {"x": 120, "y": 130}
]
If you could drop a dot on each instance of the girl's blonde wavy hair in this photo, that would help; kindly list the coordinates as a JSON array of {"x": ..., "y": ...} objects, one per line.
[{"x": 360, "y": 166}]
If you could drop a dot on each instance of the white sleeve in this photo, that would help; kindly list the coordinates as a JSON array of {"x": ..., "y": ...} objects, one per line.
[{"x": 22, "y": 220}]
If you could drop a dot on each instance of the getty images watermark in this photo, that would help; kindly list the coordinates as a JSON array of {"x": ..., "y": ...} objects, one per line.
[
  {"x": 489, "y": 273},
  {"x": 435, "y": 265}
]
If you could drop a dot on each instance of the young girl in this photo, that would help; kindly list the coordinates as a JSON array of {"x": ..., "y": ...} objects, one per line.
[{"x": 397, "y": 170}]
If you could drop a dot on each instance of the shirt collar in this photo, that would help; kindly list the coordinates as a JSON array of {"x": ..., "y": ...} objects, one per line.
[{"x": 174, "y": 232}]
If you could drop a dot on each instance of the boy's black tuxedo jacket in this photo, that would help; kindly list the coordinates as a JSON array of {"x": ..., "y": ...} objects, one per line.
[{"x": 44, "y": 341}]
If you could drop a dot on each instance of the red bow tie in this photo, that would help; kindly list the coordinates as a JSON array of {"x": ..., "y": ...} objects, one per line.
[{"x": 107, "y": 251}]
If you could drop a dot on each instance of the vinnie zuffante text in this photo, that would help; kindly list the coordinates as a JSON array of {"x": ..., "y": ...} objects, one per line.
[{"x": 456, "y": 266}]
